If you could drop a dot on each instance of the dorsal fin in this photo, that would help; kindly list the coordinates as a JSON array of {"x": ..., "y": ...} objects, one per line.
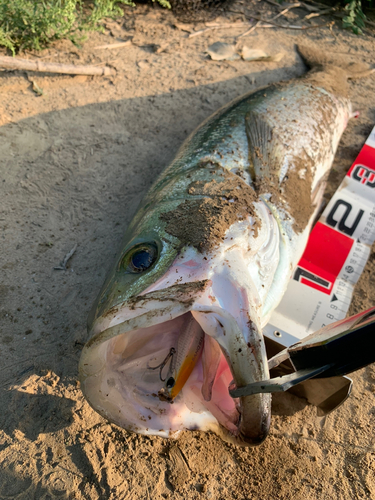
[{"x": 265, "y": 150}]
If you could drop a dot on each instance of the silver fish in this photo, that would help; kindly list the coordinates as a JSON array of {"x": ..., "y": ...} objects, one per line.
[{"x": 208, "y": 257}]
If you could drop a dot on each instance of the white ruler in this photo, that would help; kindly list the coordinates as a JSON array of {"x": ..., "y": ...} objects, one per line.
[{"x": 336, "y": 254}]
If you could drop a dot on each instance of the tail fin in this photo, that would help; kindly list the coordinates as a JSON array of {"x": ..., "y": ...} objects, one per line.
[
  {"x": 319, "y": 61},
  {"x": 332, "y": 70}
]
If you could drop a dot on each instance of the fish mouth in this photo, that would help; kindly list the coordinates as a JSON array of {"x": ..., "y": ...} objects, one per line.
[{"x": 124, "y": 369}]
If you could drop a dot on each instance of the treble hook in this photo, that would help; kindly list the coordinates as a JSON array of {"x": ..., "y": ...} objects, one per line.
[{"x": 172, "y": 351}]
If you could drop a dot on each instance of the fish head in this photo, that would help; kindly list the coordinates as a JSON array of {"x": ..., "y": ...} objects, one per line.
[
  {"x": 175, "y": 327},
  {"x": 146, "y": 253}
]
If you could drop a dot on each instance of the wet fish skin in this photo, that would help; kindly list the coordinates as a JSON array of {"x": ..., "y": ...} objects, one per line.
[{"x": 247, "y": 160}]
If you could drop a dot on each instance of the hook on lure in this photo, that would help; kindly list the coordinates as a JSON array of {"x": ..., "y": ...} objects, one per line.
[
  {"x": 168, "y": 357},
  {"x": 181, "y": 360}
]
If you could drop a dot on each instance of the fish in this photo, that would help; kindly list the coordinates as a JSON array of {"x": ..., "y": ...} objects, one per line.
[{"x": 208, "y": 257}]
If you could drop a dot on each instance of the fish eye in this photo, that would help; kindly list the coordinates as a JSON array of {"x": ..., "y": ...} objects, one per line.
[
  {"x": 170, "y": 383},
  {"x": 140, "y": 258}
]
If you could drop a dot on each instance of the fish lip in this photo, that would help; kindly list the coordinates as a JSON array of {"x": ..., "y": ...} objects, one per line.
[
  {"x": 255, "y": 440},
  {"x": 250, "y": 439},
  {"x": 247, "y": 440},
  {"x": 165, "y": 299},
  {"x": 257, "y": 434},
  {"x": 248, "y": 363}
]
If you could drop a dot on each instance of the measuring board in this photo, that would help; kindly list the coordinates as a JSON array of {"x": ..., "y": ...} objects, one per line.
[{"x": 339, "y": 245}]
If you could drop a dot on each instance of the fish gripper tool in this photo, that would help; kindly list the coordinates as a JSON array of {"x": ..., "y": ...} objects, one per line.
[{"x": 334, "y": 350}]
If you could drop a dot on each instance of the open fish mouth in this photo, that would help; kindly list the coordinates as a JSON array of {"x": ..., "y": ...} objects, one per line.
[{"x": 167, "y": 367}]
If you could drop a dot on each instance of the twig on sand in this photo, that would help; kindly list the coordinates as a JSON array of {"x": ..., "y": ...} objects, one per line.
[
  {"x": 215, "y": 24},
  {"x": 217, "y": 27},
  {"x": 321, "y": 5},
  {"x": 253, "y": 28},
  {"x": 273, "y": 3},
  {"x": 283, "y": 12},
  {"x": 300, "y": 4},
  {"x": 118, "y": 45},
  {"x": 63, "y": 263},
  {"x": 294, "y": 27},
  {"x": 284, "y": 26},
  {"x": 258, "y": 24},
  {"x": 46, "y": 67},
  {"x": 321, "y": 13}
]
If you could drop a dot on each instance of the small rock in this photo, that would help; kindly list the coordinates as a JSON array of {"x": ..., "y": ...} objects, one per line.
[
  {"x": 220, "y": 51},
  {"x": 259, "y": 55},
  {"x": 143, "y": 64}
]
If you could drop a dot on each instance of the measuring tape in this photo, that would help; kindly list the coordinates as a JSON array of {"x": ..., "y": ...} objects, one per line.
[{"x": 339, "y": 245}]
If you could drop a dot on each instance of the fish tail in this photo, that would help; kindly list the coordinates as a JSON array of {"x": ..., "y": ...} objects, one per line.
[{"x": 319, "y": 60}]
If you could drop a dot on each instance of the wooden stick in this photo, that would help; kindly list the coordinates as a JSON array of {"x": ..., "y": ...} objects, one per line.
[
  {"x": 295, "y": 5},
  {"x": 118, "y": 45},
  {"x": 254, "y": 27},
  {"x": 321, "y": 13},
  {"x": 321, "y": 5},
  {"x": 218, "y": 27},
  {"x": 214, "y": 24},
  {"x": 196, "y": 33},
  {"x": 284, "y": 26},
  {"x": 310, "y": 8},
  {"x": 301, "y": 4},
  {"x": 63, "y": 263},
  {"x": 258, "y": 24},
  {"x": 283, "y": 12},
  {"x": 46, "y": 67},
  {"x": 274, "y": 3},
  {"x": 290, "y": 26}
]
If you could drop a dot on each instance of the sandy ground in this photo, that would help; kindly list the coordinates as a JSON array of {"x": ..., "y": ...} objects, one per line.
[{"x": 75, "y": 162}]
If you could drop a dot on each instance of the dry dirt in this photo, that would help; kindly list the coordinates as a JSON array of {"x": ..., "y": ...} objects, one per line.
[{"x": 75, "y": 162}]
